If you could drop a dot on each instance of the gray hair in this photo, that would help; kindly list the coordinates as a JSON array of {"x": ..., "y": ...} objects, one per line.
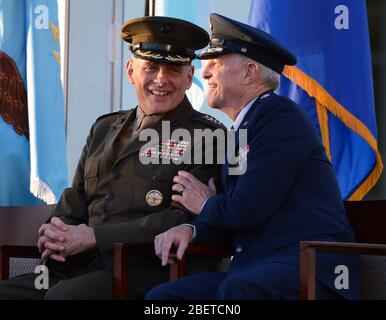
[{"x": 269, "y": 77}]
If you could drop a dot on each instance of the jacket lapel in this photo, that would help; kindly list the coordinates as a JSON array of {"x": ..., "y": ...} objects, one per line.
[{"x": 231, "y": 179}]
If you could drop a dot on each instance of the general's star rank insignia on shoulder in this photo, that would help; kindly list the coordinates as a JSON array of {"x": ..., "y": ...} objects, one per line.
[{"x": 212, "y": 120}]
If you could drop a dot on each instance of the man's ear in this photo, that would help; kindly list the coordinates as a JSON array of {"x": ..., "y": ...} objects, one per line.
[
  {"x": 190, "y": 77},
  {"x": 129, "y": 70},
  {"x": 252, "y": 72}
]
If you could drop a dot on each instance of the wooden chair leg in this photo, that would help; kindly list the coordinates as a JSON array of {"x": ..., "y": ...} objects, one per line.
[
  {"x": 121, "y": 287},
  {"x": 177, "y": 270},
  {"x": 307, "y": 273},
  {"x": 4, "y": 266}
]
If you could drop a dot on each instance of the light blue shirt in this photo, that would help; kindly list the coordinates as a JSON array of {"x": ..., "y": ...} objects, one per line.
[{"x": 242, "y": 114}]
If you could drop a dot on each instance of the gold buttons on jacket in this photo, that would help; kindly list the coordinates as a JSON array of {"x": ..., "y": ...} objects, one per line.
[{"x": 154, "y": 198}]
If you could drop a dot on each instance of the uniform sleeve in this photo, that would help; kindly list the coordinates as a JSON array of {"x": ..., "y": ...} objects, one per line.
[
  {"x": 279, "y": 146},
  {"x": 139, "y": 230}
]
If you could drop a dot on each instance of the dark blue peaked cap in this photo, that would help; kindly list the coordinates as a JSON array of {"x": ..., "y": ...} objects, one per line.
[{"x": 228, "y": 36}]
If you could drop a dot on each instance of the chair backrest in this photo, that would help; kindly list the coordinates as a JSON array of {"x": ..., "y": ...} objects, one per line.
[
  {"x": 368, "y": 220},
  {"x": 19, "y": 225}
]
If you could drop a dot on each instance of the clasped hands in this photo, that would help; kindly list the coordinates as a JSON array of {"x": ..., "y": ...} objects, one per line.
[
  {"x": 193, "y": 195},
  {"x": 58, "y": 240}
]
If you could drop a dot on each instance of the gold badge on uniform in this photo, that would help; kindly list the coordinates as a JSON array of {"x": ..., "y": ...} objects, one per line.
[{"x": 154, "y": 198}]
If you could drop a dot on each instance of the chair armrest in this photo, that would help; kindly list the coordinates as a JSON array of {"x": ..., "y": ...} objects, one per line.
[
  {"x": 178, "y": 270},
  {"x": 8, "y": 251},
  {"x": 308, "y": 251},
  {"x": 122, "y": 251}
]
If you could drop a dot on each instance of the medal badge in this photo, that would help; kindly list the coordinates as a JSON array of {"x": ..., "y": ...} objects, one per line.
[{"x": 154, "y": 198}]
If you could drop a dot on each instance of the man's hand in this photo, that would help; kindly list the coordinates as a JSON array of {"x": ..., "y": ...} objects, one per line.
[
  {"x": 52, "y": 234},
  {"x": 194, "y": 193},
  {"x": 58, "y": 240},
  {"x": 179, "y": 236}
]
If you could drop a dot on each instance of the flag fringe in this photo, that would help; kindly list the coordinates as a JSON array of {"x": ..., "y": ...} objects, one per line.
[
  {"x": 324, "y": 99},
  {"x": 42, "y": 191}
]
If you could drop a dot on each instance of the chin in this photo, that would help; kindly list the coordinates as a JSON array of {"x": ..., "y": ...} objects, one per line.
[{"x": 214, "y": 105}]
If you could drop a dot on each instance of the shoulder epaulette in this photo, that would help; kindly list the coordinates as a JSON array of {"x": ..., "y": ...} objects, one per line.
[
  {"x": 212, "y": 120},
  {"x": 207, "y": 119},
  {"x": 120, "y": 112}
]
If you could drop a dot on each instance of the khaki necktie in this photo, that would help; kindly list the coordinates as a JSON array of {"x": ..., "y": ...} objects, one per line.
[{"x": 144, "y": 121}]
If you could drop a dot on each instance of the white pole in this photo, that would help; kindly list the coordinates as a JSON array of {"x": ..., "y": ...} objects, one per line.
[{"x": 151, "y": 7}]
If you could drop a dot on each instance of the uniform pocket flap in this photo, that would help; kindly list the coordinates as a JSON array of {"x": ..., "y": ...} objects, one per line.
[{"x": 91, "y": 168}]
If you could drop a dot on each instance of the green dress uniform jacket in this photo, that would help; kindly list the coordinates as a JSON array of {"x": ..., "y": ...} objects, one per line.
[{"x": 112, "y": 191}]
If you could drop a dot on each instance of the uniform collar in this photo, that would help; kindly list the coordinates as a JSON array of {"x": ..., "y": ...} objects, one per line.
[
  {"x": 124, "y": 117},
  {"x": 242, "y": 114},
  {"x": 180, "y": 114},
  {"x": 145, "y": 121},
  {"x": 247, "y": 107},
  {"x": 177, "y": 118}
]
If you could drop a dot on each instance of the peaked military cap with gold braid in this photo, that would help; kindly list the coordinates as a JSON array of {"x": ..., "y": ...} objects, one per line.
[{"x": 164, "y": 39}]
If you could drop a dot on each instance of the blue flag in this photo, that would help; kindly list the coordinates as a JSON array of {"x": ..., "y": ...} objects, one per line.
[
  {"x": 32, "y": 127},
  {"x": 332, "y": 80}
]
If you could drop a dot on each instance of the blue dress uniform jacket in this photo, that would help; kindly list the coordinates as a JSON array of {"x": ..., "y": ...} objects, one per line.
[{"x": 287, "y": 194}]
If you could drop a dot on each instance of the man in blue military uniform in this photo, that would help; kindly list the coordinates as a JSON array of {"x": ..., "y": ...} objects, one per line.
[{"x": 288, "y": 192}]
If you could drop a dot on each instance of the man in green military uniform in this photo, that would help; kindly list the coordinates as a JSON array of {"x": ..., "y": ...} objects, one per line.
[{"x": 115, "y": 196}]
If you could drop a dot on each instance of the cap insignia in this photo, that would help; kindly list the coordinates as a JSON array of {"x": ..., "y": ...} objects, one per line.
[
  {"x": 148, "y": 54},
  {"x": 213, "y": 50},
  {"x": 177, "y": 58}
]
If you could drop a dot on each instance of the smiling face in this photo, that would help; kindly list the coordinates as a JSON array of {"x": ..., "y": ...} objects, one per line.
[
  {"x": 225, "y": 75},
  {"x": 160, "y": 87}
]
